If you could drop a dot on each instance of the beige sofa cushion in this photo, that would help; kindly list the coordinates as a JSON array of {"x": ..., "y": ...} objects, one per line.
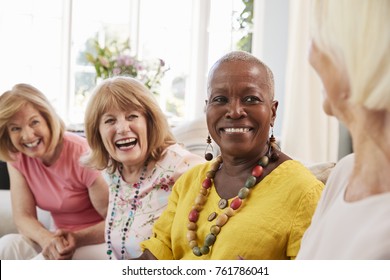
[{"x": 321, "y": 170}]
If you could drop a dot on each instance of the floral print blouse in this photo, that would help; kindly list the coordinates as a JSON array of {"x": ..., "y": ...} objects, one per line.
[{"x": 133, "y": 208}]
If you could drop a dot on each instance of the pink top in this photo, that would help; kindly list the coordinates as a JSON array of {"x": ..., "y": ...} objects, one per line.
[{"x": 62, "y": 188}]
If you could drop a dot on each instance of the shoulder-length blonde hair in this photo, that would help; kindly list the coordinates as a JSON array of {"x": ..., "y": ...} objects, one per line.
[
  {"x": 13, "y": 101},
  {"x": 355, "y": 35},
  {"x": 123, "y": 93}
]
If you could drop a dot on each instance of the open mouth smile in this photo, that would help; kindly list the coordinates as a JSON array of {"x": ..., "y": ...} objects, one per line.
[
  {"x": 32, "y": 144},
  {"x": 125, "y": 144}
]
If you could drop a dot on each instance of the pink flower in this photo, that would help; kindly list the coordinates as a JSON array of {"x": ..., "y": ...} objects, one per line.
[
  {"x": 104, "y": 61},
  {"x": 116, "y": 71}
]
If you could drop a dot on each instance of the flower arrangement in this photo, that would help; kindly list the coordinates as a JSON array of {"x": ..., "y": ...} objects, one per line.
[{"x": 114, "y": 58}]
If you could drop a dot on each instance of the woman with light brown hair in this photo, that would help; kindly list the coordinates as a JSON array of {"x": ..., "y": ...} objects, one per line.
[{"x": 130, "y": 138}]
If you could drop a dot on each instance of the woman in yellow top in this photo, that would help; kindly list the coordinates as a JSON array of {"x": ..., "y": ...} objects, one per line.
[{"x": 253, "y": 201}]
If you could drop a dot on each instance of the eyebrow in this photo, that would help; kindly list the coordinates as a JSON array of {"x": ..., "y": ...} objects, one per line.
[{"x": 30, "y": 119}]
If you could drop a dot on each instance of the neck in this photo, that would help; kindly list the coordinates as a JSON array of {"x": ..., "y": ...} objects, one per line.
[
  {"x": 370, "y": 136},
  {"x": 131, "y": 174},
  {"x": 52, "y": 157}
]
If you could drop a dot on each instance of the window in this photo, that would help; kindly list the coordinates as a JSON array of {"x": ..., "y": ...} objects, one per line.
[{"x": 47, "y": 41}]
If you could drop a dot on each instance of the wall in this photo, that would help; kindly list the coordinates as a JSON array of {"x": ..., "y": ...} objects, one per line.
[{"x": 270, "y": 41}]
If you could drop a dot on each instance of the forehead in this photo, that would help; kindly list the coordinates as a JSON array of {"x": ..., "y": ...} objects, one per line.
[
  {"x": 229, "y": 73},
  {"x": 26, "y": 112}
]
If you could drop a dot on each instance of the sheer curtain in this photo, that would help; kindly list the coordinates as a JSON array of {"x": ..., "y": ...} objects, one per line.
[{"x": 308, "y": 134}]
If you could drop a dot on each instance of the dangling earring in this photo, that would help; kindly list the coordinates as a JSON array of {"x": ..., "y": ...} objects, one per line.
[
  {"x": 208, "y": 156},
  {"x": 274, "y": 149}
]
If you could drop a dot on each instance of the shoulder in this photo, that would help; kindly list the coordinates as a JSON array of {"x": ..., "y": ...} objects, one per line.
[
  {"x": 176, "y": 154},
  {"x": 74, "y": 142},
  {"x": 296, "y": 175},
  {"x": 338, "y": 178}
]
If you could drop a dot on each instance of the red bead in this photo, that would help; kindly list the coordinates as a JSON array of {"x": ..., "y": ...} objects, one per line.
[
  {"x": 193, "y": 216},
  {"x": 257, "y": 171},
  {"x": 236, "y": 203},
  {"x": 206, "y": 183}
]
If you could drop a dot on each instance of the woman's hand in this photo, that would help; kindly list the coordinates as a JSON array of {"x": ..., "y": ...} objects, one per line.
[{"x": 61, "y": 247}]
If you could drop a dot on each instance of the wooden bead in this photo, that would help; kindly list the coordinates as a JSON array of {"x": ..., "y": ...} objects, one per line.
[
  {"x": 257, "y": 171},
  {"x": 193, "y": 244},
  {"x": 250, "y": 182},
  {"x": 236, "y": 203},
  {"x": 208, "y": 156},
  {"x": 215, "y": 229},
  {"x": 196, "y": 251},
  {"x": 210, "y": 239},
  {"x": 204, "y": 250},
  {"x": 197, "y": 207},
  {"x": 212, "y": 216},
  {"x": 210, "y": 174},
  {"x": 229, "y": 212},
  {"x": 191, "y": 235},
  {"x": 221, "y": 220},
  {"x": 203, "y": 191},
  {"x": 243, "y": 193},
  {"x": 206, "y": 183},
  {"x": 223, "y": 203},
  {"x": 264, "y": 161},
  {"x": 193, "y": 216},
  {"x": 200, "y": 199},
  {"x": 192, "y": 226}
]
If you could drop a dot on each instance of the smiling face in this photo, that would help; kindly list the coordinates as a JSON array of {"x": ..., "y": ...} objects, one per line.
[
  {"x": 29, "y": 133},
  {"x": 240, "y": 110},
  {"x": 124, "y": 135}
]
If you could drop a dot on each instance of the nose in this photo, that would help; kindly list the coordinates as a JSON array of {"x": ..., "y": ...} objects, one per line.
[
  {"x": 27, "y": 133},
  {"x": 122, "y": 127},
  {"x": 236, "y": 110}
]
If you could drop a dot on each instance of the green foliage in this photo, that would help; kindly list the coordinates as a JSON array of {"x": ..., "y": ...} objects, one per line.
[{"x": 246, "y": 22}]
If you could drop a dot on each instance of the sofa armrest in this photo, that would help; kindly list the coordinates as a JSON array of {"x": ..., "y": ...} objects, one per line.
[
  {"x": 321, "y": 170},
  {"x": 7, "y": 223}
]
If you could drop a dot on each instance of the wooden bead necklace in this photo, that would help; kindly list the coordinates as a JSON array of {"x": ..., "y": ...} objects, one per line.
[
  {"x": 130, "y": 218},
  {"x": 223, "y": 218}
]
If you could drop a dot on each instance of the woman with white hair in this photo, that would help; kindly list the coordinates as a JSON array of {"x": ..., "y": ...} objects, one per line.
[{"x": 350, "y": 51}]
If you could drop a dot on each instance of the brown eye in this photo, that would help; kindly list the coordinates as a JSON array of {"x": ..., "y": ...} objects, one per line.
[
  {"x": 252, "y": 99},
  {"x": 219, "y": 99}
]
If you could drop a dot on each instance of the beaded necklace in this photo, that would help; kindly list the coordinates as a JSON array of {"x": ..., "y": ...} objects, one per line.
[
  {"x": 223, "y": 218},
  {"x": 130, "y": 218}
]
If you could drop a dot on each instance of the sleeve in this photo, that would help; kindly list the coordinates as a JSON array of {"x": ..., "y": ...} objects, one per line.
[
  {"x": 160, "y": 244},
  {"x": 86, "y": 175},
  {"x": 303, "y": 217}
]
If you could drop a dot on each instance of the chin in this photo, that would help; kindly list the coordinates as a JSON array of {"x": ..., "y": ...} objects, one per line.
[{"x": 327, "y": 108}]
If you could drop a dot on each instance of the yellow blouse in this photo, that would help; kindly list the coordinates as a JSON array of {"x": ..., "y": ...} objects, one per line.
[{"x": 269, "y": 224}]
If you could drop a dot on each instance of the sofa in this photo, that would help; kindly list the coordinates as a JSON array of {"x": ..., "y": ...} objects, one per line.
[{"x": 192, "y": 135}]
